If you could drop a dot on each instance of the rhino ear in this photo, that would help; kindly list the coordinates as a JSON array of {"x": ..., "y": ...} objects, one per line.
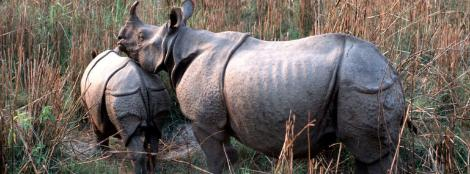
[
  {"x": 188, "y": 8},
  {"x": 179, "y": 16},
  {"x": 94, "y": 53},
  {"x": 176, "y": 18},
  {"x": 132, "y": 11}
]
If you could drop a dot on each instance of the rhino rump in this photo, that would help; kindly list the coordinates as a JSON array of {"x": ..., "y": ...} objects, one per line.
[
  {"x": 135, "y": 99},
  {"x": 361, "y": 125}
]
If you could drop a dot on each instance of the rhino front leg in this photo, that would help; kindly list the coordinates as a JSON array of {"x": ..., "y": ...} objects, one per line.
[
  {"x": 216, "y": 146},
  {"x": 137, "y": 152}
]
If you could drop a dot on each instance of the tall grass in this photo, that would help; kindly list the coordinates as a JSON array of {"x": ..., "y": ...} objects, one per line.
[{"x": 45, "y": 45}]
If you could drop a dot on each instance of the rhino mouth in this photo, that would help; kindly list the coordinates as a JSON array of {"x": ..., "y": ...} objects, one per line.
[{"x": 121, "y": 47}]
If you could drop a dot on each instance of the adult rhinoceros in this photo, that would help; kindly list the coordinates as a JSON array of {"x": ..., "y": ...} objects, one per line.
[
  {"x": 125, "y": 101},
  {"x": 231, "y": 84}
]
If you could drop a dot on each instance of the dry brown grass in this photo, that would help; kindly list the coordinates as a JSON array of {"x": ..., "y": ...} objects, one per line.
[{"x": 44, "y": 46}]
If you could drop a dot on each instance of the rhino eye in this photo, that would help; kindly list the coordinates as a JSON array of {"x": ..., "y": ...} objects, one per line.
[{"x": 141, "y": 36}]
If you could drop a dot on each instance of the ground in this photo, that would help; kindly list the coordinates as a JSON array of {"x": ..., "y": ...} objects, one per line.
[{"x": 178, "y": 147}]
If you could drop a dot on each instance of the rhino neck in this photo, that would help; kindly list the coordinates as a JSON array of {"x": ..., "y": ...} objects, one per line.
[{"x": 188, "y": 45}]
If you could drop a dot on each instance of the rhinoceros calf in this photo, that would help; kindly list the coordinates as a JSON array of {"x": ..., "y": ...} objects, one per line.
[
  {"x": 127, "y": 102},
  {"x": 231, "y": 84}
]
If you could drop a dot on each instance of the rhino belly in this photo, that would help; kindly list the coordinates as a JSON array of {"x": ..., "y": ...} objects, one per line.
[{"x": 261, "y": 92}]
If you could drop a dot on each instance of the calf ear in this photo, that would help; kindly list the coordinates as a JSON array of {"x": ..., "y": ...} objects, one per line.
[{"x": 93, "y": 54}]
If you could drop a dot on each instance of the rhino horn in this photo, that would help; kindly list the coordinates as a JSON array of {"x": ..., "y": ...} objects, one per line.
[{"x": 133, "y": 9}]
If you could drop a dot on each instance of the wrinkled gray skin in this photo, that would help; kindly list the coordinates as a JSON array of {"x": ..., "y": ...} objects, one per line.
[
  {"x": 345, "y": 83},
  {"x": 126, "y": 102}
]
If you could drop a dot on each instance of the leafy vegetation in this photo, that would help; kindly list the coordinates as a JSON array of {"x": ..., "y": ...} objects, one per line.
[{"x": 45, "y": 45}]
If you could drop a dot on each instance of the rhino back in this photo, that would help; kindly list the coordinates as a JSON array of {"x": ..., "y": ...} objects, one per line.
[{"x": 264, "y": 81}]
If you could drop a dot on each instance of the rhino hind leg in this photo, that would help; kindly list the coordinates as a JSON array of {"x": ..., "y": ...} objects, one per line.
[
  {"x": 216, "y": 146},
  {"x": 152, "y": 135},
  {"x": 369, "y": 124},
  {"x": 134, "y": 138},
  {"x": 379, "y": 166},
  {"x": 136, "y": 150}
]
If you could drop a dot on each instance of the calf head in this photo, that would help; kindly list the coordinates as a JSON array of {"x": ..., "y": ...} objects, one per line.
[{"x": 150, "y": 45}]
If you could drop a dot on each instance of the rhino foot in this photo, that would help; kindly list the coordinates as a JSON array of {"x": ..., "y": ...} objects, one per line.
[
  {"x": 380, "y": 166},
  {"x": 216, "y": 146}
]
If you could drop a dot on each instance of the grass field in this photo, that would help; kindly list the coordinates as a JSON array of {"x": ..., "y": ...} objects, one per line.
[{"x": 45, "y": 46}]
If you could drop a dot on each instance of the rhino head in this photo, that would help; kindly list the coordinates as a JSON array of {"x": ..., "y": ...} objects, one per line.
[{"x": 149, "y": 44}]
